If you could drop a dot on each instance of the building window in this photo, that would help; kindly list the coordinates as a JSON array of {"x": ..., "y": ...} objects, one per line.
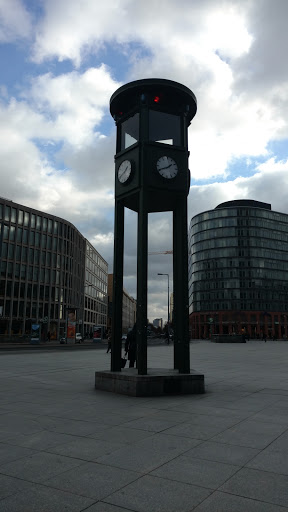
[
  {"x": 12, "y": 233},
  {"x": 6, "y": 232},
  {"x": 26, "y": 219},
  {"x": 7, "y": 213},
  {"x": 20, "y": 217},
  {"x": 25, "y": 236}
]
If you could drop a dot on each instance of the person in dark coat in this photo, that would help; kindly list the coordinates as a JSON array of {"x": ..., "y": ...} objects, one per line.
[{"x": 131, "y": 347}]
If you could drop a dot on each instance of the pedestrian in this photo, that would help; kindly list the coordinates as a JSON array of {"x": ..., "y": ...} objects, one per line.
[
  {"x": 264, "y": 337},
  {"x": 48, "y": 335},
  {"x": 109, "y": 343},
  {"x": 131, "y": 346}
]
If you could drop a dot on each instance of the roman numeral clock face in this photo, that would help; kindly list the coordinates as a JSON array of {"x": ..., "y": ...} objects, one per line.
[{"x": 167, "y": 167}]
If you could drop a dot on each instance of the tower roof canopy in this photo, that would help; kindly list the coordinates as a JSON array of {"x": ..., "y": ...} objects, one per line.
[{"x": 166, "y": 95}]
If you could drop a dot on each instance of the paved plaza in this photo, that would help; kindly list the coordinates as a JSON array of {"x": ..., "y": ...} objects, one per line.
[{"x": 66, "y": 447}]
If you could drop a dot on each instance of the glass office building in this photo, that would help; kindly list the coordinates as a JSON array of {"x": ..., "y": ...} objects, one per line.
[
  {"x": 238, "y": 271},
  {"x": 45, "y": 264},
  {"x": 96, "y": 291}
]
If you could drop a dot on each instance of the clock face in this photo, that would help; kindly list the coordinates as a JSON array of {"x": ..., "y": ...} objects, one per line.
[
  {"x": 124, "y": 171},
  {"x": 167, "y": 167}
]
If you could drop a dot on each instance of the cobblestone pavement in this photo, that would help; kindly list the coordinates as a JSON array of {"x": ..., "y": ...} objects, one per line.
[{"x": 66, "y": 447}]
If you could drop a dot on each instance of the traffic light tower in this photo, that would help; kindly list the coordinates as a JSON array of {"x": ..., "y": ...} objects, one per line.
[{"x": 151, "y": 175}]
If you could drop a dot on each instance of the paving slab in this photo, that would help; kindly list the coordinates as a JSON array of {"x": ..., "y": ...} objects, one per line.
[
  {"x": 259, "y": 485},
  {"x": 158, "y": 495},
  {"x": 38, "y": 441},
  {"x": 222, "y": 502},
  {"x": 149, "y": 453},
  {"x": 86, "y": 449},
  {"x": 204, "y": 473},
  {"x": 71, "y": 427},
  {"x": 39, "y": 466},
  {"x": 100, "y": 506},
  {"x": 10, "y": 486},
  {"x": 10, "y": 453},
  {"x": 255, "y": 434},
  {"x": 39, "y": 498},
  {"x": 93, "y": 480},
  {"x": 219, "y": 452},
  {"x": 274, "y": 457},
  {"x": 66, "y": 446}
]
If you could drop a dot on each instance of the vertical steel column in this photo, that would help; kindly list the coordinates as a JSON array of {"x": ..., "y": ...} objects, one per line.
[
  {"x": 116, "y": 340},
  {"x": 142, "y": 271},
  {"x": 180, "y": 287}
]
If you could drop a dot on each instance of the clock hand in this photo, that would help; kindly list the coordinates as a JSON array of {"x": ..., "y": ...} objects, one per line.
[
  {"x": 166, "y": 167},
  {"x": 123, "y": 172}
]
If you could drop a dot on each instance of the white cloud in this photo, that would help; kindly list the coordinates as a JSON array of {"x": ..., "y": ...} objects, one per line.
[
  {"x": 232, "y": 55},
  {"x": 73, "y": 104},
  {"x": 63, "y": 109},
  {"x": 269, "y": 184},
  {"x": 71, "y": 29},
  {"x": 209, "y": 49},
  {"x": 15, "y": 21}
]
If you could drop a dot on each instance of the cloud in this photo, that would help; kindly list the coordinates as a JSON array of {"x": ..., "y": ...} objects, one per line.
[
  {"x": 269, "y": 184},
  {"x": 15, "y": 21},
  {"x": 72, "y": 29},
  {"x": 57, "y": 136},
  {"x": 51, "y": 157},
  {"x": 72, "y": 104},
  {"x": 214, "y": 50}
]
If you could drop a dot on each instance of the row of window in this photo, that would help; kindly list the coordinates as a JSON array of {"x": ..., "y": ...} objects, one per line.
[
  {"x": 261, "y": 243},
  {"x": 266, "y": 276},
  {"x": 20, "y": 309},
  {"x": 95, "y": 258},
  {"x": 32, "y": 291},
  {"x": 228, "y": 233},
  {"x": 239, "y": 294},
  {"x": 235, "y": 252},
  {"x": 35, "y": 239},
  {"x": 197, "y": 226},
  {"x": 35, "y": 257},
  {"x": 94, "y": 305},
  {"x": 260, "y": 213},
  {"x": 33, "y": 221},
  {"x": 237, "y": 305},
  {"x": 27, "y": 272},
  {"x": 94, "y": 318}
]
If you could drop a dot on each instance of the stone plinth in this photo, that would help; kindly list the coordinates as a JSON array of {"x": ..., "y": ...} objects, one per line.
[{"x": 157, "y": 382}]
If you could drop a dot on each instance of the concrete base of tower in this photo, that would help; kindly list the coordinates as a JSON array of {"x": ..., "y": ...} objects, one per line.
[{"x": 157, "y": 382}]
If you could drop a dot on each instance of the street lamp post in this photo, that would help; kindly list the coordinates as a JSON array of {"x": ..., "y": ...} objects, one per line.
[{"x": 168, "y": 321}]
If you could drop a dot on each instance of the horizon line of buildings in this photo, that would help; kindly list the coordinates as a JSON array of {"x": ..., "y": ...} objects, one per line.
[{"x": 238, "y": 279}]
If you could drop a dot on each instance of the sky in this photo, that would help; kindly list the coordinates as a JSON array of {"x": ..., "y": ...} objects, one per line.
[{"x": 61, "y": 60}]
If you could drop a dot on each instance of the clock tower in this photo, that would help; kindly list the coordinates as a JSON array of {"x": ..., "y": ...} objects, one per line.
[{"x": 151, "y": 175}]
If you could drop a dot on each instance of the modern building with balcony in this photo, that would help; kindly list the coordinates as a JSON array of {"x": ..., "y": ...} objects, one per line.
[
  {"x": 47, "y": 268},
  {"x": 238, "y": 271}
]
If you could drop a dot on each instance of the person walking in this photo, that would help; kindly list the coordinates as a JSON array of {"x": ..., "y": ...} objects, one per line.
[
  {"x": 131, "y": 347},
  {"x": 109, "y": 343}
]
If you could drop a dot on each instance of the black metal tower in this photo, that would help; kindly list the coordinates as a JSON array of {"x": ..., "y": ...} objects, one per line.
[{"x": 151, "y": 175}]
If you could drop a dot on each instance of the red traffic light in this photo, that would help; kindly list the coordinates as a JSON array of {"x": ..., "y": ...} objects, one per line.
[{"x": 156, "y": 99}]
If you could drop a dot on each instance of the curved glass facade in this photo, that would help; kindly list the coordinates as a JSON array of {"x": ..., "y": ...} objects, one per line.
[
  {"x": 43, "y": 260},
  {"x": 238, "y": 270}
]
